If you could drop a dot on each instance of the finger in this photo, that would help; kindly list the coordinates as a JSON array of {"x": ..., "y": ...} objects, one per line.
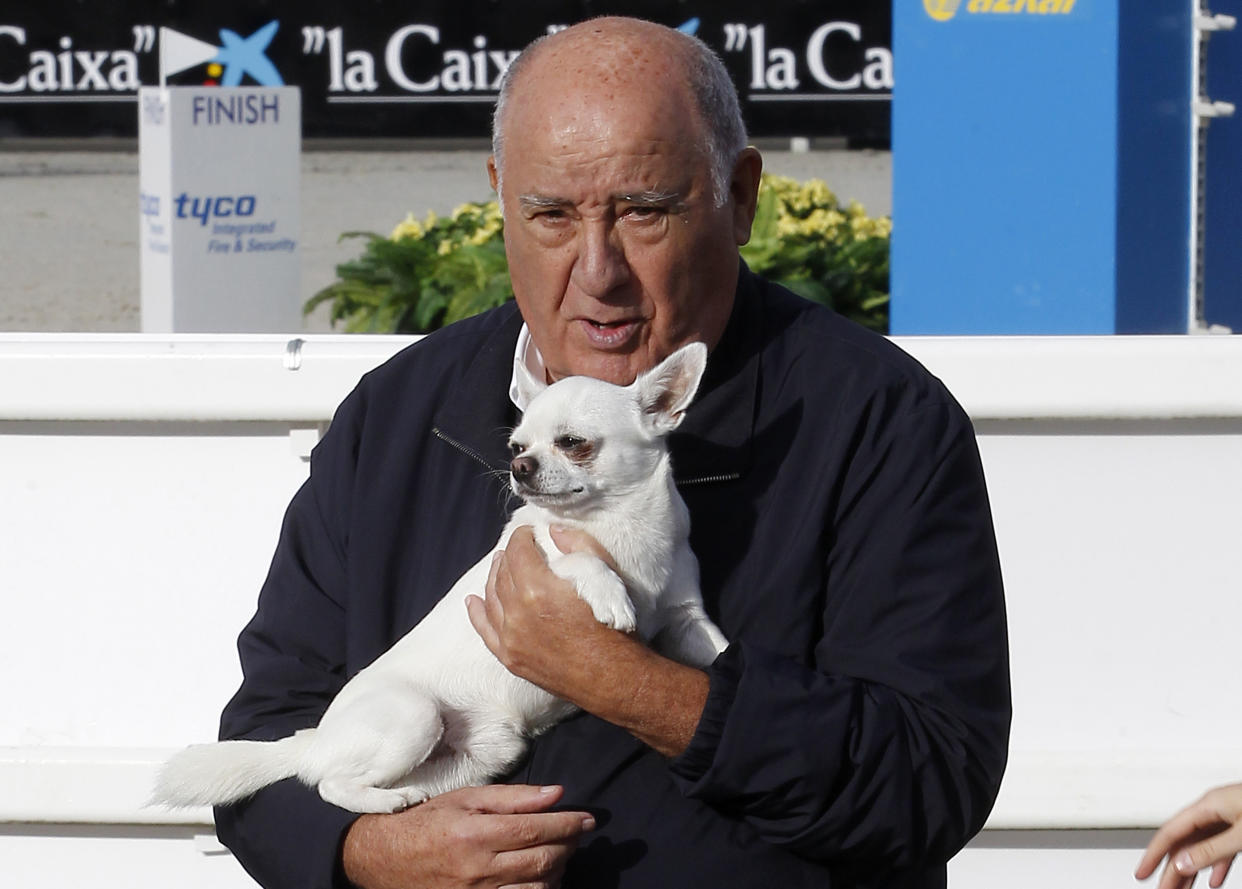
[
  {"x": 1219, "y": 872},
  {"x": 575, "y": 540},
  {"x": 1219, "y": 847},
  {"x": 508, "y": 799},
  {"x": 522, "y": 539},
  {"x": 492, "y": 571},
  {"x": 511, "y": 833},
  {"x": 1147, "y": 864},
  {"x": 1152, "y": 856},
  {"x": 539, "y": 868},
  {"x": 1170, "y": 878},
  {"x": 497, "y": 588},
  {"x": 523, "y": 556},
  {"x": 476, "y": 610},
  {"x": 1175, "y": 831}
]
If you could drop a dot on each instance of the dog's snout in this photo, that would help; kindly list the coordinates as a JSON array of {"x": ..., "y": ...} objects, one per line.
[{"x": 523, "y": 467}]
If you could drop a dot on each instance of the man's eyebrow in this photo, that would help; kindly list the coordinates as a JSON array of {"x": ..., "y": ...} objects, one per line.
[
  {"x": 651, "y": 198},
  {"x": 542, "y": 202}
]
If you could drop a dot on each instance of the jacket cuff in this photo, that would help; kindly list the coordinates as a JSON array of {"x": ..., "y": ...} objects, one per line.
[
  {"x": 724, "y": 676},
  {"x": 286, "y": 837}
]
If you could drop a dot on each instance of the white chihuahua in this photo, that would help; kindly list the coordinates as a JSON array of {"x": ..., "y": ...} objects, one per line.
[{"x": 437, "y": 711}]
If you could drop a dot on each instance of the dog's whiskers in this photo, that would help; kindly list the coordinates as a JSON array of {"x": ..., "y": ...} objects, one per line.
[{"x": 504, "y": 494}]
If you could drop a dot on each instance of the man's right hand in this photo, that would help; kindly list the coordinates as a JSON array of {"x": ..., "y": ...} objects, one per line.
[{"x": 497, "y": 835}]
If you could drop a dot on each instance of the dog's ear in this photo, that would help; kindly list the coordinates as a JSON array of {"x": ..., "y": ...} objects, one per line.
[
  {"x": 665, "y": 391},
  {"x": 527, "y": 385}
]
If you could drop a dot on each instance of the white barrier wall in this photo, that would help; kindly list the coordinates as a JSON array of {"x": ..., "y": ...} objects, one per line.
[{"x": 143, "y": 479}]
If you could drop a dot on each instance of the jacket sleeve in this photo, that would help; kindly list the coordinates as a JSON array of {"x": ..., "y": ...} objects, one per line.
[
  {"x": 293, "y": 663},
  {"x": 888, "y": 748}
]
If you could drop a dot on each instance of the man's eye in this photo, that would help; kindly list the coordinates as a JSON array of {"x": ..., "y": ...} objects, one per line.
[
  {"x": 569, "y": 442},
  {"x": 641, "y": 211}
]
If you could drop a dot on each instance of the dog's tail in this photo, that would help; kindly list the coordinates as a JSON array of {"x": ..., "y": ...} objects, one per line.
[{"x": 228, "y": 771}]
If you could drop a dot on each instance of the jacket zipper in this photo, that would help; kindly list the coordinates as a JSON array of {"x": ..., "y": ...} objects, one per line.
[
  {"x": 469, "y": 452},
  {"x": 708, "y": 479}
]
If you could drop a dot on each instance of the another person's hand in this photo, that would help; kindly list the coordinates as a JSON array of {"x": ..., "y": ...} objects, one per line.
[
  {"x": 1205, "y": 834},
  {"x": 497, "y": 835}
]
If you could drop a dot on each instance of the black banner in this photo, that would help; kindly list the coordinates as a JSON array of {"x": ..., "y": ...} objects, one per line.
[{"x": 71, "y": 68}]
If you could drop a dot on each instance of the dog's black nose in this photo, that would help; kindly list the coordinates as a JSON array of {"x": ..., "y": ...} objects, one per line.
[{"x": 523, "y": 467}]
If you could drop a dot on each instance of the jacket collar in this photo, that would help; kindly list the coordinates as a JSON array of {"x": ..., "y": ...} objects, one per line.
[
  {"x": 478, "y": 416},
  {"x": 713, "y": 443}
]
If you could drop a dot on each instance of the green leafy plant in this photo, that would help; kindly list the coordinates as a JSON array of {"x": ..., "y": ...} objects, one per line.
[
  {"x": 423, "y": 275},
  {"x": 426, "y": 274},
  {"x": 830, "y": 253}
]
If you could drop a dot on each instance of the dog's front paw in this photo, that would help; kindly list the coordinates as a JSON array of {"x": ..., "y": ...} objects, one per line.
[
  {"x": 600, "y": 587},
  {"x": 356, "y": 796},
  {"x": 413, "y": 796}
]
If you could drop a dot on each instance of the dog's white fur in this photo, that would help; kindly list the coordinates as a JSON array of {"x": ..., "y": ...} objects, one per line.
[{"x": 437, "y": 711}]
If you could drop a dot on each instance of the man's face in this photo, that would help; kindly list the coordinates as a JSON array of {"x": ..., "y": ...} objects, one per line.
[{"x": 617, "y": 251}]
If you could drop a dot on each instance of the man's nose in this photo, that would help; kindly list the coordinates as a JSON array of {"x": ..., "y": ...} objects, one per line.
[{"x": 601, "y": 265}]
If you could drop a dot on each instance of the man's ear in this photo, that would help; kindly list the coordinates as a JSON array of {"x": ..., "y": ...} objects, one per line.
[
  {"x": 744, "y": 192},
  {"x": 665, "y": 392},
  {"x": 528, "y": 387},
  {"x": 493, "y": 176}
]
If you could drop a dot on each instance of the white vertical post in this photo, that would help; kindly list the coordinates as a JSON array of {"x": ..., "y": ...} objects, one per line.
[{"x": 219, "y": 176}]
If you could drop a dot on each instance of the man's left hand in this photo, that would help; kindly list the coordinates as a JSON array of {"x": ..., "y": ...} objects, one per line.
[
  {"x": 533, "y": 620},
  {"x": 534, "y": 623}
]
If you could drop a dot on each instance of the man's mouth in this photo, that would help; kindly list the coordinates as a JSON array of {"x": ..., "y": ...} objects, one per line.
[{"x": 609, "y": 334}]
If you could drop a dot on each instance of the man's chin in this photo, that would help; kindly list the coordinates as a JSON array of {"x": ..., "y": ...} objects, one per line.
[{"x": 616, "y": 366}]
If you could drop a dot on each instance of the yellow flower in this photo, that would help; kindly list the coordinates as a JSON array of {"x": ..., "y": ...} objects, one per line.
[
  {"x": 407, "y": 228},
  {"x": 800, "y": 200},
  {"x": 782, "y": 185},
  {"x": 816, "y": 193},
  {"x": 485, "y": 233},
  {"x": 788, "y": 226},
  {"x": 862, "y": 227},
  {"x": 823, "y": 222},
  {"x": 479, "y": 212}
]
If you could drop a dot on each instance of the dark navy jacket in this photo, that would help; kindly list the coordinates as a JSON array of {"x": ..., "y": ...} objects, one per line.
[{"x": 856, "y": 728}]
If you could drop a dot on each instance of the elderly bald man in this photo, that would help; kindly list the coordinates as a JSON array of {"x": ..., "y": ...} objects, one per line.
[{"x": 854, "y": 732}]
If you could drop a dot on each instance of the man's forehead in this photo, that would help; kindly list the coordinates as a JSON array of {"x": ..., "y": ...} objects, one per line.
[
  {"x": 626, "y": 138},
  {"x": 608, "y": 160}
]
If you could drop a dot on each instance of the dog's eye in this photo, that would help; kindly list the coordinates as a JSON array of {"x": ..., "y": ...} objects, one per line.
[
  {"x": 516, "y": 448},
  {"x": 569, "y": 442}
]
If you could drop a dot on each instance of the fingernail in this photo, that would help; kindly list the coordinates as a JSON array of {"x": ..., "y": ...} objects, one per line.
[
  {"x": 1184, "y": 865},
  {"x": 549, "y": 788},
  {"x": 588, "y": 823}
]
